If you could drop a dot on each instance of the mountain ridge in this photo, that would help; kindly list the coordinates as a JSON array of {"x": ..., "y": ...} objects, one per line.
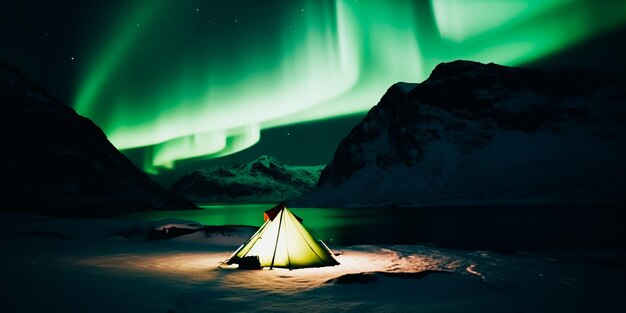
[
  {"x": 262, "y": 180},
  {"x": 484, "y": 134},
  {"x": 61, "y": 163}
]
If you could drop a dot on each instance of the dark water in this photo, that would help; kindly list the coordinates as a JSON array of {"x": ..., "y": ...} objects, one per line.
[
  {"x": 328, "y": 224},
  {"x": 496, "y": 227}
]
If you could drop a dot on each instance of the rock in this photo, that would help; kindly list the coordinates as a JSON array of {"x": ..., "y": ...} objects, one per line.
[{"x": 58, "y": 162}]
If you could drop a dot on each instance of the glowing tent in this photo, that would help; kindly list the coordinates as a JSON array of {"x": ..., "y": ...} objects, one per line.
[{"x": 282, "y": 241}]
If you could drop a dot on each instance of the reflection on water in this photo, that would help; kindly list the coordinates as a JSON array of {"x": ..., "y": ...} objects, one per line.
[
  {"x": 471, "y": 227},
  {"x": 339, "y": 226}
]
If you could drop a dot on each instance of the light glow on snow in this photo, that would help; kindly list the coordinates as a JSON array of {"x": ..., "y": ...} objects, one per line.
[{"x": 209, "y": 266}]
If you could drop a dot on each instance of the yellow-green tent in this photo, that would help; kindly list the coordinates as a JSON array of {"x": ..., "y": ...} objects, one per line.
[{"x": 282, "y": 241}]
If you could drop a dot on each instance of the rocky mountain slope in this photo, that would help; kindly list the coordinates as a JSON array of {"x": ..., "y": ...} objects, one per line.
[
  {"x": 485, "y": 134},
  {"x": 58, "y": 162},
  {"x": 262, "y": 180}
]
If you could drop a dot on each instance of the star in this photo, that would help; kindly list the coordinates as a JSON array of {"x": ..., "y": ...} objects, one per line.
[{"x": 72, "y": 58}]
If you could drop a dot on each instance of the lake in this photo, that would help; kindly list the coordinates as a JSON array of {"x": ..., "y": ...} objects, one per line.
[
  {"x": 484, "y": 227},
  {"x": 327, "y": 224}
]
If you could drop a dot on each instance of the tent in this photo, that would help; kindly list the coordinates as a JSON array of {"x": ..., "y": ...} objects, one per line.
[{"x": 282, "y": 241}]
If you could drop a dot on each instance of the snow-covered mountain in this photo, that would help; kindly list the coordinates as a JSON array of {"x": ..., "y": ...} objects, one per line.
[
  {"x": 58, "y": 162},
  {"x": 485, "y": 134},
  {"x": 262, "y": 180}
]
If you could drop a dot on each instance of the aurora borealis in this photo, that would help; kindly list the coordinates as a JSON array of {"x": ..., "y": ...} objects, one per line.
[{"x": 187, "y": 79}]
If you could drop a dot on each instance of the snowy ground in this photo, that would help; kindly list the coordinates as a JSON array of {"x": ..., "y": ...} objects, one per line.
[{"x": 58, "y": 265}]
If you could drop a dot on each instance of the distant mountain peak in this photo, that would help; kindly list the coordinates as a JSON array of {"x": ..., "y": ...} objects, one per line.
[
  {"x": 266, "y": 160},
  {"x": 264, "y": 179}
]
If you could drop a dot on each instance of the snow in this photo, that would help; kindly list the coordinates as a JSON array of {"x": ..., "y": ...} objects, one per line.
[
  {"x": 58, "y": 265},
  {"x": 512, "y": 168}
]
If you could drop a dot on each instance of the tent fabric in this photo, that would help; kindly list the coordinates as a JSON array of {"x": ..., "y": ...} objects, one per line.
[{"x": 283, "y": 242}]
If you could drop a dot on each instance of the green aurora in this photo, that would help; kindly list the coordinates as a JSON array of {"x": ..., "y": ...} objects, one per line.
[{"x": 183, "y": 81}]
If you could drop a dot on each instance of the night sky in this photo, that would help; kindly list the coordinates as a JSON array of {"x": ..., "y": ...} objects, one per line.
[{"x": 183, "y": 84}]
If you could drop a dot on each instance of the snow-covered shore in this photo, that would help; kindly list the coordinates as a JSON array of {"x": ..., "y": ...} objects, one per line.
[{"x": 60, "y": 265}]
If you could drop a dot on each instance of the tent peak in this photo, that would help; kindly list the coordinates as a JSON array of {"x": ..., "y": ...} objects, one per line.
[{"x": 273, "y": 212}]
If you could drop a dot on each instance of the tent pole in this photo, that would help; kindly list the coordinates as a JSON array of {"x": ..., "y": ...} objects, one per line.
[{"x": 280, "y": 222}]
